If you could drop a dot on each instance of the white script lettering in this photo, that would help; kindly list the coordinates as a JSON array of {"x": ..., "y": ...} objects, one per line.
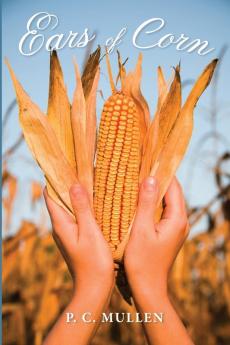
[
  {"x": 33, "y": 40},
  {"x": 168, "y": 39}
]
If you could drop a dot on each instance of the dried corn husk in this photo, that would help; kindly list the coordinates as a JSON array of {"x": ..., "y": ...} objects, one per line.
[
  {"x": 180, "y": 134},
  {"x": 84, "y": 144},
  {"x": 90, "y": 71},
  {"x": 131, "y": 86},
  {"x": 51, "y": 138},
  {"x": 11, "y": 183},
  {"x": 58, "y": 114},
  {"x": 36, "y": 192},
  {"x": 165, "y": 117},
  {"x": 91, "y": 118},
  {"x": 44, "y": 145}
]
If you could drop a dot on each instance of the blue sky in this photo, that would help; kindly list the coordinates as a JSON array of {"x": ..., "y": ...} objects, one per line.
[{"x": 204, "y": 19}]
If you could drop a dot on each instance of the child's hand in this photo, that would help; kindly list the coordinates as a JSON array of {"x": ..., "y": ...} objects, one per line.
[
  {"x": 152, "y": 248},
  {"x": 150, "y": 253},
  {"x": 82, "y": 244},
  {"x": 90, "y": 263}
]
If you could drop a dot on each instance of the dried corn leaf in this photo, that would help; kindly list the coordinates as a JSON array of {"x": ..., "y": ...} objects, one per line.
[
  {"x": 136, "y": 91},
  {"x": 162, "y": 88},
  {"x": 161, "y": 126},
  {"x": 5, "y": 173},
  {"x": 130, "y": 85},
  {"x": 79, "y": 125},
  {"x": 180, "y": 135},
  {"x": 8, "y": 200},
  {"x": 168, "y": 113},
  {"x": 45, "y": 316},
  {"x": 109, "y": 68},
  {"x": 44, "y": 145},
  {"x": 122, "y": 71},
  {"x": 90, "y": 71},
  {"x": 59, "y": 110},
  {"x": 153, "y": 130},
  {"x": 127, "y": 84},
  {"x": 27, "y": 246},
  {"x": 91, "y": 119},
  {"x": 58, "y": 114},
  {"x": 36, "y": 192},
  {"x": 133, "y": 82}
]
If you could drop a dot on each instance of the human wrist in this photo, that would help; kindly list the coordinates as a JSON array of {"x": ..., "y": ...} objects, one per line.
[
  {"x": 150, "y": 297},
  {"x": 92, "y": 300},
  {"x": 89, "y": 302},
  {"x": 97, "y": 287},
  {"x": 153, "y": 285}
]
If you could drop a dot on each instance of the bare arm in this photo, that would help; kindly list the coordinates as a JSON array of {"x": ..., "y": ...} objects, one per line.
[
  {"x": 90, "y": 263},
  {"x": 150, "y": 253}
]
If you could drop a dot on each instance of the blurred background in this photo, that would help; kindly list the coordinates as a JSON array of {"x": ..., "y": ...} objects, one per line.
[{"x": 36, "y": 283}]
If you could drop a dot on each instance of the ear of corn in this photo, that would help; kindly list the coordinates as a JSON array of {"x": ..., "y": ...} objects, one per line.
[
  {"x": 123, "y": 126},
  {"x": 117, "y": 167},
  {"x": 129, "y": 148}
]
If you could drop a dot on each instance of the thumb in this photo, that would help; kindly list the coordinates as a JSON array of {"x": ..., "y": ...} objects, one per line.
[
  {"x": 147, "y": 201},
  {"x": 81, "y": 205}
]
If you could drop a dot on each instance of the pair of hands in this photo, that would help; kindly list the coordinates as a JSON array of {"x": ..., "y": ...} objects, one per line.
[
  {"x": 149, "y": 255},
  {"x": 151, "y": 249}
]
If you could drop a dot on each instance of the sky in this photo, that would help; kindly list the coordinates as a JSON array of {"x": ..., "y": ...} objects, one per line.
[{"x": 204, "y": 19}]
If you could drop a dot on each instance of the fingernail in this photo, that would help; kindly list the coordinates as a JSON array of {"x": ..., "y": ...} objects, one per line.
[{"x": 149, "y": 184}]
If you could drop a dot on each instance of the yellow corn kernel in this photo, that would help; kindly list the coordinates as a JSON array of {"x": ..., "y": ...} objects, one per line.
[{"x": 117, "y": 167}]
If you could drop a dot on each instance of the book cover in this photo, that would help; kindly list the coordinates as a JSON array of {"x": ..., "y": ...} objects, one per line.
[{"x": 115, "y": 172}]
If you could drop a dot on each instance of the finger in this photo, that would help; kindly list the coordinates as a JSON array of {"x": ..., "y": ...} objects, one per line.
[
  {"x": 174, "y": 201},
  {"x": 81, "y": 206},
  {"x": 57, "y": 214},
  {"x": 147, "y": 201},
  {"x": 63, "y": 223},
  {"x": 174, "y": 217}
]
